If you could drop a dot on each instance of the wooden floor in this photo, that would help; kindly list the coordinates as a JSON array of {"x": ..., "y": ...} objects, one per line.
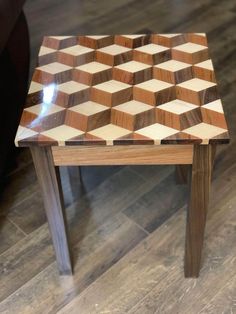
[{"x": 127, "y": 224}]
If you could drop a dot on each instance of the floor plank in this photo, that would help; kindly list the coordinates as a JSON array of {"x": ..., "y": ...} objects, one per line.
[
  {"x": 127, "y": 281},
  {"x": 224, "y": 301},
  {"x": 9, "y": 233},
  {"x": 175, "y": 294},
  {"x": 184, "y": 296},
  {"x": 85, "y": 216},
  {"x": 97, "y": 252},
  {"x": 160, "y": 202}
]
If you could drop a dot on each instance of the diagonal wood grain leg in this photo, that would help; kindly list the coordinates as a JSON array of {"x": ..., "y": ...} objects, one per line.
[
  {"x": 213, "y": 154},
  {"x": 49, "y": 180},
  {"x": 198, "y": 203},
  {"x": 182, "y": 174}
]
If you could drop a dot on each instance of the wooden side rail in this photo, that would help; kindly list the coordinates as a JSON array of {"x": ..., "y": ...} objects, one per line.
[{"x": 122, "y": 155}]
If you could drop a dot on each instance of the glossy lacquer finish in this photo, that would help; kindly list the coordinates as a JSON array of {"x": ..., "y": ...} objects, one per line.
[{"x": 123, "y": 89}]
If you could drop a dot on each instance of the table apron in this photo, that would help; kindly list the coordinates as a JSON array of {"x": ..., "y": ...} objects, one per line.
[{"x": 122, "y": 155}]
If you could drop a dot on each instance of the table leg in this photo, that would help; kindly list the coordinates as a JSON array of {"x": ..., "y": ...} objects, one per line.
[
  {"x": 213, "y": 153},
  {"x": 198, "y": 203},
  {"x": 182, "y": 173},
  {"x": 49, "y": 180}
]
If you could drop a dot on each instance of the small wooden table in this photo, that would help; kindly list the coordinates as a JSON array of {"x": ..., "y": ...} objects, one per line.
[{"x": 124, "y": 100}]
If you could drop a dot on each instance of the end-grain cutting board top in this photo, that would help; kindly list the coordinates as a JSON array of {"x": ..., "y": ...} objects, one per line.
[{"x": 123, "y": 90}]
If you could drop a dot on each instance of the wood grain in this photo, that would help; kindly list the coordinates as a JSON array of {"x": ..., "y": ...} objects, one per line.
[
  {"x": 190, "y": 53},
  {"x": 171, "y": 292},
  {"x": 98, "y": 251},
  {"x": 134, "y": 74},
  {"x": 95, "y": 42},
  {"x": 111, "y": 93},
  {"x": 220, "y": 260},
  {"x": 172, "y": 71},
  {"x": 168, "y": 41},
  {"x": 35, "y": 252},
  {"x": 141, "y": 268},
  {"x": 18, "y": 268},
  {"x": 72, "y": 56},
  {"x": 204, "y": 70},
  {"x": 151, "y": 54},
  {"x": 159, "y": 201},
  {"x": 132, "y": 41},
  {"x": 88, "y": 116},
  {"x": 178, "y": 120},
  {"x": 197, "y": 211},
  {"x": 10, "y": 233},
  {"x": 53, "y": 202},
  {"x": 200, "y": 92},
  {"x": 55, "y": 42},
  {"x": 92, "y": 73},
  {"x": 119, "y": 69},
  {"x": 113, "y": 55},
  {"x": 132, "y": 115},
  {"x": 182, "y": 173},
  {"x": 154, "y": 92},
  {"x": 122, "y": 155}
]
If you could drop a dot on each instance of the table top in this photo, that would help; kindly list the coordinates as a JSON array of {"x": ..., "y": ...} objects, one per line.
[{"x": 123, "y": 90}]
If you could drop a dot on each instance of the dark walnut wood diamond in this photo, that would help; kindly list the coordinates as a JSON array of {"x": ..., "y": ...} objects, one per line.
[{"x": 123, "y": 89}]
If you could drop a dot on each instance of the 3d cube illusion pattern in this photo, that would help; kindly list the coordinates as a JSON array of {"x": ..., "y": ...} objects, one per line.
[{"x": 121, "y": 90}]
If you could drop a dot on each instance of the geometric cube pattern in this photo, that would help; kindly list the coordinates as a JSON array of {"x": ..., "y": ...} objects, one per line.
[{"x": 123, "y": 90}]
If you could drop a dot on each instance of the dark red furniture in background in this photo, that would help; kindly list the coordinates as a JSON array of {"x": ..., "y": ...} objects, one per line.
[{"x": 14, "y": 68}]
